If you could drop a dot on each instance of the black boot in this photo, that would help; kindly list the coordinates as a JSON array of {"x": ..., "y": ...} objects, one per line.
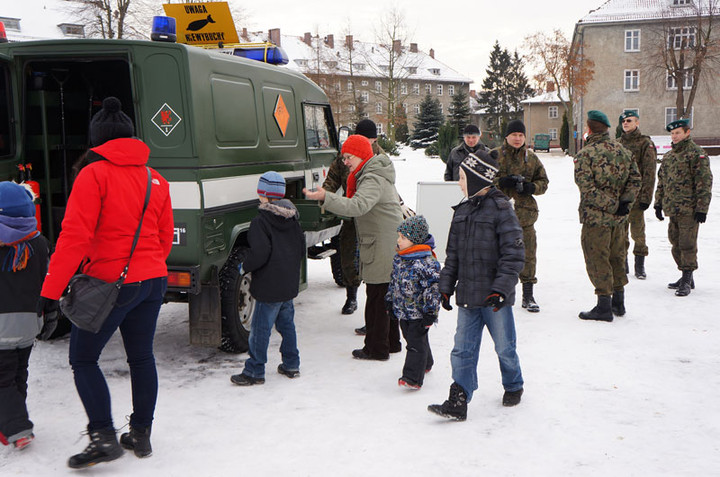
[
  {"x": 456, "y": 405},
  {"x": 528, "y": 301},
  {"x": 618, "y": 302},
  {"x": 601, "y": 312},
  {"x": 351, "y": 303},
  {"x": 137, "y": 440},
  {"x": 103, "y": 447},
  {"x": 640, "y": 267},
  {"x": 676, "y": 285},
  {"x": 686, "y": 284}
]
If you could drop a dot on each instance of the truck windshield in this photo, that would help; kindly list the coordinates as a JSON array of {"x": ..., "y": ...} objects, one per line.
[{"x": 5, "y": 110}]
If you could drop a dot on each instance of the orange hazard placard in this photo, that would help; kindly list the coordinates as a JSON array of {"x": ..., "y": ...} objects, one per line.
[
  {"x": 203, "y": 23},
  {"x": 281, "y": 114}
]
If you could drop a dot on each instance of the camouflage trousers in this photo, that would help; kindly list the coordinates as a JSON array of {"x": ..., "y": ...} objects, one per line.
[
  {"x": 530, "y": 238},
  {"x": 349, "y": 254},
  {"x": 604, "y": 251},
  {"x": 636, "y": 226},
  {"x": 683, "y": 233}
]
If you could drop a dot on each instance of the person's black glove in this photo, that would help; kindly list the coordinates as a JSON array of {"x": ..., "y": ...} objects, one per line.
[
  {"x": 528, "y": 188},
  {"x": 428, "y": 320},
  {"x": 623, "y": 208},
  {"x": 507, "y": 182},
  {"x": 48, "y": 310},
  {"x": 644, "y": 206},
  {"x": 700, "y": 217},
  {"x": 445, "y": 302},
  {"x": 658, "y": 212},
  {"x": 496, "y": 300}
]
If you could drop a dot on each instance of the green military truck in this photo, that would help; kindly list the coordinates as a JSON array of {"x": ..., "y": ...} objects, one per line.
[{"x": 214, "y": 123}]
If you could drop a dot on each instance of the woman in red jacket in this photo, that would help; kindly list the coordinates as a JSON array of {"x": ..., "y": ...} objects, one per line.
[{"x": 101, "y": 218}]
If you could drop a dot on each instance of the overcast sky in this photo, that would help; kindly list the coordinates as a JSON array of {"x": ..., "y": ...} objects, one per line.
[{"x": 462, "y": 36}]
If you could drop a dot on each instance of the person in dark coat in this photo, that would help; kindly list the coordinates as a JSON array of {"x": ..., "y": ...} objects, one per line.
[
  {"x": 471, "y": 145},
  {"x": 277, "y": 248},
  {"x": 484, "y": 256},
  {"x": 23, "y": 264}
]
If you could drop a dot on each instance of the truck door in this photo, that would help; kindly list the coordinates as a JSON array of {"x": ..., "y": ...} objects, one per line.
[{"x": 7, "y": 132}]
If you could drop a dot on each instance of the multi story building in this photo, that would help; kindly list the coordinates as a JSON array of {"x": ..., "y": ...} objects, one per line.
[
  {"x": 629, "y": 42},
  {"x": 542, "y": 114}
]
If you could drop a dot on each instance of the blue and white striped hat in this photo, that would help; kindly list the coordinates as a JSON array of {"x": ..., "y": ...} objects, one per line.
[{"x": 271, "y": 185}]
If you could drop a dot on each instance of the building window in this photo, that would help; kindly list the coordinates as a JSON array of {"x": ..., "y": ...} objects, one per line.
[
  {"x": 405, "y": 108},
  {"x": 379, "y": 128},
  {"x": 350, "y": 85},
  {"x": 632, "y": 80},
  {"x": 678, "y": 3},
  {"x": 439, "y": 90},
  {"x": 411, "y": 69},
  {"x": 302, "y": 63},
  {"x": 435, "y": 71},
  {"x": 632, "y": 40},
  {"x": 385, "y": 68},
  {"x": 403, "y": 88},
  {"x": 451, "y": 90},
  {"x": 338, "y": 86},
  {"x": 351, "y": 108},
  {"x": 687, "y": 80},
  {"x": 378, "y": 108},
  {"x": 681, "y": 37},
  {"x": 416, "y": 88},
  {"x": 364, "y": 82},
  {"x": 428, "y": 88},
  {"x": 378, "y": 86},
  {"x": 416, "y": 108},
  {"x": 359, "y": 67},
  {"x": 331, "y": 64},
  {"x": 11, "y": 23},
  {"x": 552, "y": 112},
  {"x": 671, "y": 115},
  {"x": 553, "y": 134},
  {"x": 365, "y": 96}
]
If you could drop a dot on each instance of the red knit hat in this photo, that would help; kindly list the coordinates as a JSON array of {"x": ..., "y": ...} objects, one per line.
[{"x": 359, "y": 146}]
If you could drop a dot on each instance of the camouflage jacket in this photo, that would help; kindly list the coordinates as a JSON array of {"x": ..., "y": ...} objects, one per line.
[
  {"x": 684, "y": 180},
  {"x": 338, "y": 173},
  {"x": 524, "y": 163},
  {"x": 606, "y": 175},
  {"x": 645, "y": 156}
]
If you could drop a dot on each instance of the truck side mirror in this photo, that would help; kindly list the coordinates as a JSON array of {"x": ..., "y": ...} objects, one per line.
[{"x": 343, "y": 134}]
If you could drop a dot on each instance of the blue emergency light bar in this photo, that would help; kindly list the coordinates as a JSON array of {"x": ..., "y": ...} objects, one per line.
[
  {"x": 163, "y": 29},
  {"x": 268, "y": 54}
]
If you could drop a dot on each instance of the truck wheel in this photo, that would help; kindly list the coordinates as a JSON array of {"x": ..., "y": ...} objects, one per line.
[
  {"x": 335, "y": 263},
  {"x": 236, "y": 304}
]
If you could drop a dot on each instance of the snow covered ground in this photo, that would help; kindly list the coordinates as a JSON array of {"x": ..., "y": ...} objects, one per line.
[{"x": 634, "y": 397}]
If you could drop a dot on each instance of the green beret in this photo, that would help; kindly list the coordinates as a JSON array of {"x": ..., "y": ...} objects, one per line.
[
  {"x": 680, "y": 123},
  {"x": 599, "y": 116},
  {"x": 629, "y": 114}
]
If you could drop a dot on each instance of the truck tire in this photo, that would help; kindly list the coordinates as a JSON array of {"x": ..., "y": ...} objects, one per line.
[
  {"x": 335, "y": 263},
  {"x": 236, "y": 304}
]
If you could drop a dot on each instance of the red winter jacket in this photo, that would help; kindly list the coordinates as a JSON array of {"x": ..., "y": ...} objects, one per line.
[{"x": 102, "y": 215}]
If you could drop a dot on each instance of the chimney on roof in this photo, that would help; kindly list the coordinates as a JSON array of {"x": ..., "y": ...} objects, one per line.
[
  {"x": 413, "y": 48},
  {"x": 397, "y": 46},
  {"x": 244, "y": 34},
  {"x": 307, "y": 39},
  {"x": 432, "y": 53},
  {"x": 330, "y": 41},
  {"x": 349, "y": 42},
  {"x": 550, "y": 87},
  {"x": 274, "y": 35}
]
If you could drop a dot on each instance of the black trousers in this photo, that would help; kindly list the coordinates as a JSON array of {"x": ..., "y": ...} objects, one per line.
[
  {"x": 419, "y": 356},
  {"x": 13, "y": 391},
  {"x": 382, "y": 335}
]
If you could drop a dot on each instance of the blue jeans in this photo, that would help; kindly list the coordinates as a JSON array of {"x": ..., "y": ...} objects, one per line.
[
  {"x": 266, "y": 315},
  {"x": 464, "y": 356},
  {"x": 135, "y": 313}
]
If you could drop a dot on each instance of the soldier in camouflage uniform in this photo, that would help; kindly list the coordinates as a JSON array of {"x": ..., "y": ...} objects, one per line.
[
  {"x": 609, "y": 182},
  {"x": 683, "y": 191},
  {"x": 645, "y": 156},
  {"x": 522, "y": 175}
]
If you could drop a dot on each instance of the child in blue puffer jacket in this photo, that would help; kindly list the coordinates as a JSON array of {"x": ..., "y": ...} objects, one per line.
[{"x": 413, "y": 296}]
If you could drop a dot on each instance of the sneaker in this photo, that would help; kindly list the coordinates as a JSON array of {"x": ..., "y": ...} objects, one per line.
[
  {"x": 245, "y": 380},
  {"x": 512, "y": 398},
  {"x": 361, "y": 354},
  {"x": 361, "y": 331},
  {"x": 408, "y": 383},
  {"x": 455, "y": 407},
  {"x": 288, "y": 372},
  {"x": 24, "y": 441},
  {"x": 103, "y": 447},
  {"x": 137, "y": 441}
]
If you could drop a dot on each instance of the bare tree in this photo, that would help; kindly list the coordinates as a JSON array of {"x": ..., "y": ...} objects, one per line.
[
  {"x": 565, "y": 64},
  {"x": 111, "y": 18}
]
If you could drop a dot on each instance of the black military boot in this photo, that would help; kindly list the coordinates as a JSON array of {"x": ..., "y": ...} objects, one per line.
[
  {"x": 618, "y": 302},
  {"x": 103, "y": 447},
  {"x": 456, "y": 405},
  {"x": 137, "y": 440},
  {"x": 676, "y": 285},
  {"x": 686, "y": 283},
  {"x": 640, "y": 267},
  {"x": 351, "y": 303},
  {"x": 601, "y": 312},
  {"x": 528, "y": 302}
]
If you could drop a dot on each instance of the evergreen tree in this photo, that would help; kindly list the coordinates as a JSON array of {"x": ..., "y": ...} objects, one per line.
[
  {"x": 425, "y": 129},
  {"x": 402, "y": 133},
  {"x": 519, "y": 87},
  {"x": 564, "y": 133},
  {"x": 359, "y": 113},
  {"x": 447, "y": 139},
  {"x": 459, "y": 115}
]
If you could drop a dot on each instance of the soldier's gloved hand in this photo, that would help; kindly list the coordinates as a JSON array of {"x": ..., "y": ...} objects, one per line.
[
  {"x": 428, "y": 320},
  {"x": 700, "y": 217},
  {"x": 623, "y": 208},
  {"x": 445, "y": 302},
  {"x": 507, "y": 182},
  {"x": 644, "y": 206},
  {"x": 528, "y": 188},
  {"x": 658, "y": 212},
  {"x": 496, "y": 300}
]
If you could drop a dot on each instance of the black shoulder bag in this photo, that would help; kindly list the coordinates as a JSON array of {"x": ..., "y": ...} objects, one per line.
[{"x": 90, "y": 300}]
